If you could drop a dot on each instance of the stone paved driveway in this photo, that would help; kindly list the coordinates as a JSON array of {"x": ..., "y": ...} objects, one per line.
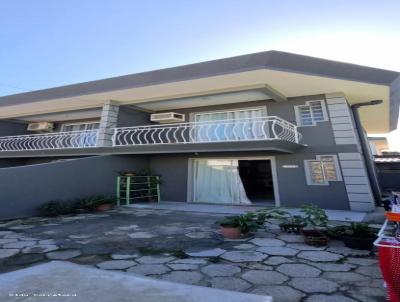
[{"x": 186, "y": 248}]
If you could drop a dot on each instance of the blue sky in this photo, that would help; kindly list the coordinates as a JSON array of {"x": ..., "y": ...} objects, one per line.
[{"x": 47, "y": 43}]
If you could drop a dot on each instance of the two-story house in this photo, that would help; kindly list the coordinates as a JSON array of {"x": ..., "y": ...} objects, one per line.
[{"x": 269, "y": 128}]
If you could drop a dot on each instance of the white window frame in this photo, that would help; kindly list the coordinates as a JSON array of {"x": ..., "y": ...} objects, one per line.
[
  {"x": 63, "y": 126},
  {"x": 318, "y": 158},
  {"x": 314, "y": 123}
]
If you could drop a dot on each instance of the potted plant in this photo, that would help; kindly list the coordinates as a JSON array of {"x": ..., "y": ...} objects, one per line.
[
  {"x": 293, "y": 224},
  {"x": 336, "y": 232},
  {"x": 239, "y": 226},
  {"x": 316, "y": 220},
  {"x": 95, "y": 203},
  {"x": 359, "y": 236}
]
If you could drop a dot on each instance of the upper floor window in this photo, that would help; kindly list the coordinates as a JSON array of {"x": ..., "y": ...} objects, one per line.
[
  {"x": 80, "y": 126},
  {"x": 322, "y": 170},
  {"x": 311, "y": 113}
]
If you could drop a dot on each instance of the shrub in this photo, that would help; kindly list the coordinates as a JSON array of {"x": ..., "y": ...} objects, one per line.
[
  {"x": 90, "y": 203},
  {"x": 55, "y": 208},
  {"x": 246, "y": 223}
]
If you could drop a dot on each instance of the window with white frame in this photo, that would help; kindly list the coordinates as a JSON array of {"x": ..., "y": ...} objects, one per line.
[
  {"x": 311, "y": 113},
  {"x": 322, "y": 170},
  {"x": 80, "y": 126}
]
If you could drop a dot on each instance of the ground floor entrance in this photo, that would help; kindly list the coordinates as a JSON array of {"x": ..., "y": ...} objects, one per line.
[{"x": 234, "y": 181}]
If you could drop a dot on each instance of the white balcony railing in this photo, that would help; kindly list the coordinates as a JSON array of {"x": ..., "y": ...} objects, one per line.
[
  {"x": 251, "y": 129},
  {"x": 49, "y": 141}
]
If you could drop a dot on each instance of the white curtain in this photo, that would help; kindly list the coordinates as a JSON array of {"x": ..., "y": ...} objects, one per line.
[{"x": 218, "y": 181}]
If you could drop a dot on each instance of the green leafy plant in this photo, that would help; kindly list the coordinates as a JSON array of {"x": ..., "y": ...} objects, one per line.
[
  {"x": 336, "y": 232},
  {"x": 246, "y": 223},
  {"x": 55, "y": 208},
  {"x": 359, "y": 230},
  {"x": 293, "y": 224},
  {"x": 90, "y": 203},
  {"x": 314, "y": 216}
]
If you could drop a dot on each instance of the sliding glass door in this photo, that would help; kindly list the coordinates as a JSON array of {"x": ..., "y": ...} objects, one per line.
[{"x": 218, "y": 181}]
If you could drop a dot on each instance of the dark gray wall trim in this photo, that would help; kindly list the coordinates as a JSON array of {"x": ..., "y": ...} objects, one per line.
[
  {"x": 394, "y": 103},
  {"x": 269, "y": 59}
]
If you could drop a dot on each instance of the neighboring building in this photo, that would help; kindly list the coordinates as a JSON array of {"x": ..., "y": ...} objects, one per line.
[
  {"x": 378, "y": 144},
  {"x": 264, "y": 128}
]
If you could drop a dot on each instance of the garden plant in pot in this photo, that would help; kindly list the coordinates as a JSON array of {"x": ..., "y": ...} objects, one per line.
[
  {"x": 240, "y": 226},
  {"x": 359, "y": 236},
  {"x": 95, "y": 203},
  {"x": 316, "y": 220},
  {"x": 293, "y": 224}
]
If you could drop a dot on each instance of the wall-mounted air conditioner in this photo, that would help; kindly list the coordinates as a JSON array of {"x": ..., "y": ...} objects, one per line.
[
  {"x": 167, "y": 117},
  {"x": 41, "y": 127}
]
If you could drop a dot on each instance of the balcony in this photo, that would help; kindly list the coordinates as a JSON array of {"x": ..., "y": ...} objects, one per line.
[
  {"x": 257, "y": 134},
  {"x": 223, "y": 131},
  {"x": 49, "y": 141}
]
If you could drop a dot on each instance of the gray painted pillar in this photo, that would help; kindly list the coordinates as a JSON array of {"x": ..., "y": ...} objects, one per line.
[{"x": 108, "y": 122}]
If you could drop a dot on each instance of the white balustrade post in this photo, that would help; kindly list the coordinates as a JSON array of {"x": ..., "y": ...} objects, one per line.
[{"x": 108, "y": 121}]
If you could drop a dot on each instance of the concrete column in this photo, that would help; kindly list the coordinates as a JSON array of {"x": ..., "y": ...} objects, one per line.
[{"x": 108, "y": 122}]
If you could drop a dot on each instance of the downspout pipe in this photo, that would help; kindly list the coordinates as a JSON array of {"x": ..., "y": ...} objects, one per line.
[{"x": 368, "y": 158}]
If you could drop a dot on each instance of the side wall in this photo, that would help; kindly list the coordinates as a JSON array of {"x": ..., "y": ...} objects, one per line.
[{"x": 23, "y": 189}]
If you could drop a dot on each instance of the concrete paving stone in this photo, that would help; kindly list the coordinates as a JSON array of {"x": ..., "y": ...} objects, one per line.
[
  {"x": 370, "y": 283},
  {"x": 244, "y": 246},
  {"x": 25, "y": 259},
  {"x": 368, "y": 291},
  {"x": 47, "y": 241},
  {"x": 267, "y": 242},
  {"x": 362, "y": 298},
  {"x": 128, "y": 227},
  {"x": 278, "y": 251},
  {"x": 362, "y": 261},
  {"x": 244, "y": 256},
  {"x": 221, "y": 270},
  {"x": 63, "y": 255},
  {"x": 206, "y": 253},
  {"x": 123, "y": 256},
  {"x": 116, "y": 264},
  {"x": 199, "y": 235},
  {"x": 314, "y": 285},
  {"x": 256, "y": 265},
  {"x": 149, "y": 269},
  {"x": 39, "y": 249},
  {"x": 345, "y": 251},
  {"x": 371, "y": 271},
  {"x": 276, "y": 260},
  {"x": 21, "y": 227},
  {"x": 88, "y": 259},
  {"x": 185, "y": 277},
  {"x": 305, "y": 247},
  {"x": 189, "y": 261},
  {"x": 183, "y": 267},
  {"x": 141, "y": 235},
  {"x": 320, "y": 256},
  {"x": 344, "y": 277},
  {"x": 279, "y": 293},
  {"x": 258, "y": 277},
  {"x": 298, "y": 270},
  {"x": 3, "y": 233},
  {"x": 230, "y": 283},
  {"x": 19, "y": 244},
  {"x": 291, "y": 238},
  {"x": 14, "y": 236},
  {"x": 330, "y": 298},
  {"x": 5, "y": 253},
  {"x": 82, "y": 236},
  {"x": 332, "y": 267},
  {"x": 154, "y": 259},
  {"x": 8, "y": 240},
  {"x": 26, "y": 238}
]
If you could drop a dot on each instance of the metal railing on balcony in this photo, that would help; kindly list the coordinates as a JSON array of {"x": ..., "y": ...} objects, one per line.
[
  {"x": 49, "y": 141},
  {"x": 250, "y": 129}
]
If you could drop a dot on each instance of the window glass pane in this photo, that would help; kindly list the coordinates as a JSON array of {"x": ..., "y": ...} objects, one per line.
[
  {"x": 329, "y": 167},
  {"x": 316, "y": 171}
]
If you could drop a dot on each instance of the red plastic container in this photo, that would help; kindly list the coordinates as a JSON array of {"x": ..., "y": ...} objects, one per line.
[
  {"x": 389, "y": 262},
  {"x": 393, "y": 216}
]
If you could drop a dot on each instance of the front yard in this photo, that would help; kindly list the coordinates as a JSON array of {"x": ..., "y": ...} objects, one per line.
[{"x": 186, "y": 248}]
